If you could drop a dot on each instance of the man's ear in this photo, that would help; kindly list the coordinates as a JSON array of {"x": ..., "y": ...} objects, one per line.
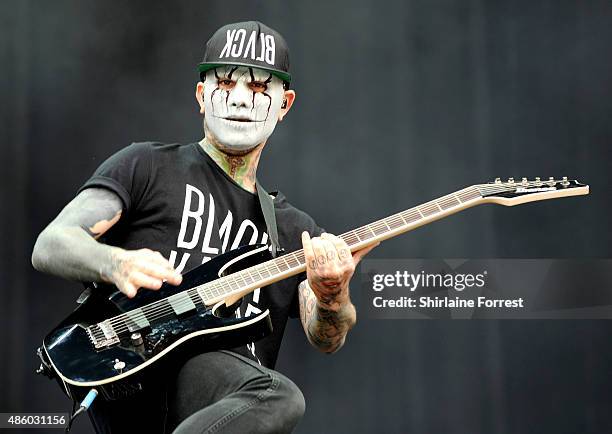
[
  {"x": 288, "y": 99},
  {"x": 199, "y": 94}
]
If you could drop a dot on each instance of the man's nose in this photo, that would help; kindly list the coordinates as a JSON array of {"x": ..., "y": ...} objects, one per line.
[{"x": 240, "y": 96}]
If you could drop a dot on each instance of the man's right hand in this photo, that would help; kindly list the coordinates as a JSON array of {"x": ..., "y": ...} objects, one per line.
[{"x": 144, "y": 268}]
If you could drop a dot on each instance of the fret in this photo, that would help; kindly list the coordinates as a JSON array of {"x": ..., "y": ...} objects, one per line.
[
  {"x": 233, "y": 283},
  {"x": 260, "y": 271},
  {"x": 263, "y": 271},
  {"x": 284, "y": 258},
  {"x": 351, "y": 238},
  {"x": 247, "y": 277},
  {"x": 426, "y": 210},
  {"x": 394, "y": 222},
  {"x": 299, "y": 257},
  {"x": 449, "y": 202},
  {"x": 277, "y": 267},
  {"x": 471, "y": 193},
  {"x": 203, "y": 293},
  {"x": 293, "y": 262},
  {"x": 252, "y": 276},
  {"x": 280, "y": 265},
  {"x": 457, "y": 198},
  {"x": 242, "y": 276},
  {"x": 379, "y": 229},
  {"x": 412, "y": 216}
]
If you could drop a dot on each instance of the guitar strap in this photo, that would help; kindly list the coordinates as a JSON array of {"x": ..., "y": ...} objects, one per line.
[{"x": 267, "y": 208}]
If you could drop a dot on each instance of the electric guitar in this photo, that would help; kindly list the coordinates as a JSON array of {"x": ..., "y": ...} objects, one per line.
[{"x": 113, "y": 343}]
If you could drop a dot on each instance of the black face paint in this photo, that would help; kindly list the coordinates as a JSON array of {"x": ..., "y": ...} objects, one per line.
[
  {"x": 269, "y": 97},
  {"x": 231, "y": 72},
  {"x": 213, "y": 92}
]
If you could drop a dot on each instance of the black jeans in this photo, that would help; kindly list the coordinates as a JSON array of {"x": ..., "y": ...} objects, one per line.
[{"x": 217, "y": 392}]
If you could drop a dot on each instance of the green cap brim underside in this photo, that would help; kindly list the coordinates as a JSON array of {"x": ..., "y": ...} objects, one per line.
[{"x": 285, "y": 76}]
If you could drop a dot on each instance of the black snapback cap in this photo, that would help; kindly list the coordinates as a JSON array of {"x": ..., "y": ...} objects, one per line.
[{"x": 249, "y": 43}]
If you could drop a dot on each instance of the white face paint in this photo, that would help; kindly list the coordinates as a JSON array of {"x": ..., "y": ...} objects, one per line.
[{"x": 241, "y": 105}]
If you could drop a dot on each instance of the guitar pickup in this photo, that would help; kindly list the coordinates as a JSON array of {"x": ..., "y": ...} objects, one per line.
[
  {"x": 102, "y": 334},
  {"x": 181, "y": 304}
]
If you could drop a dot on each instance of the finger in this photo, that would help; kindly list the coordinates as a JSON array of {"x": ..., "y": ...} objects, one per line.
[
  {"x": 320, "y": 253},
  {"x": 129, "y": 290},
  {"x": 143, "y": 280},
  {"x": 161, "y": 273},
  {"x": 342, "y": 249},
  {"x": 331, "y": 253},
  {"x": 159, "y": 259},
  {"x": 163, "y": 269},
  {"x": 307, "y": 246},
  {"x": 166, "y": 275},
  {"x": 359, "y": 254}
]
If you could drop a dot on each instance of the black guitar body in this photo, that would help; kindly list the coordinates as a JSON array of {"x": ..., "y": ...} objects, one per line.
[{"x": 118, "y": 370}]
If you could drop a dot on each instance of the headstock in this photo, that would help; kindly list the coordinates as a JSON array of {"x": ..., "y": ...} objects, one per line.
[{"x": 513, "y": 192}]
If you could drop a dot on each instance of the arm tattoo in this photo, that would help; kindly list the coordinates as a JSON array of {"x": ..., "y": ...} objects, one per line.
[
  {"x": 68, "y": 248},
  {"x": 95, "y": 210},
  {"x": 325, "y": 329}
]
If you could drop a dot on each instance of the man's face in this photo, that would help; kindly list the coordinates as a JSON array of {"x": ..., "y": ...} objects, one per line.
[{"x": 241, "y": 106}]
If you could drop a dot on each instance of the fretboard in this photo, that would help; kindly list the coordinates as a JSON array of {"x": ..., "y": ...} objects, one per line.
[{"x": 247, "y": 280}]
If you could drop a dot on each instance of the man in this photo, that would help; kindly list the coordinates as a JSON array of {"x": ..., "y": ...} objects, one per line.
[{"x": 153, "y": 210}]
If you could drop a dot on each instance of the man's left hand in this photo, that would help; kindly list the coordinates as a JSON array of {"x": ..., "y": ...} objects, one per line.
[{"x": 329, "y": 268}]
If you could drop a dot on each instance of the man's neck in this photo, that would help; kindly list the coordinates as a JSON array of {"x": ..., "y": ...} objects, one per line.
[{"x": 241, "y": 168}]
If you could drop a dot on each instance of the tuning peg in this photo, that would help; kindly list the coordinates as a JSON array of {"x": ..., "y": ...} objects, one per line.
[
  {"x": 565, "y": 182},
  {"x": 524, "y": 181},
  {"x": 511, "y": 180},
  {"x": 551, "y": 181},
  {"x": 498, "y": 180},
  {"x": 538, "y": 182}
]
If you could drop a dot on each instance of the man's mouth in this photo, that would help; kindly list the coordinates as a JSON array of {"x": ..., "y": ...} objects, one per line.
[{"x": 239, "y": 119}]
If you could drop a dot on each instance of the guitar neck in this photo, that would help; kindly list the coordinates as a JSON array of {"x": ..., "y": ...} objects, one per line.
[{"x": 235, "y": 286}]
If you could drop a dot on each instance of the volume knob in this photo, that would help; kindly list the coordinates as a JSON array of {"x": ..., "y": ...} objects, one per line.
[{"x": 136, "y": 339}]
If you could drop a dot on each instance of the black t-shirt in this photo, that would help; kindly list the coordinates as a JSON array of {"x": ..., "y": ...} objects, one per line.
[{"x": 179, "y": 202}]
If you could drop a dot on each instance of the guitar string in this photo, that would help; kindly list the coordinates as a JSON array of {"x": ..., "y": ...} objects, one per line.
[
  {"x": 164, "y": 307},
  {"x": 188, "y": 295},
  {"x": 186, "y": 300}
]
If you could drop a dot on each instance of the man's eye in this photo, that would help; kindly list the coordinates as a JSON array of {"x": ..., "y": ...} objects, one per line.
[
  {"x": 258, "y": 86},
  {"x": 225, "y": 82}
]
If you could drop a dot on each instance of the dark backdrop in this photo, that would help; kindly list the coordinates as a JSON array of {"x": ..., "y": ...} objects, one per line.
[{"x": 398, "y": 102}]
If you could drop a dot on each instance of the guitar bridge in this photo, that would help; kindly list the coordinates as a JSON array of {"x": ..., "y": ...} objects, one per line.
[{"x": 102, "y": 335}]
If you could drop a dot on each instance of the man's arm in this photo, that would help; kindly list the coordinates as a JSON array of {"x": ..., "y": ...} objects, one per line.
[
  {"x": 325, "y": 329},
  {"x": 326, "y": 311},
  {"x": 68, "y": 247}
]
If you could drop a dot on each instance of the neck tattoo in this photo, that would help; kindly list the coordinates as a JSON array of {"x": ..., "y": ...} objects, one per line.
[{"x": 241, "y": 168}]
